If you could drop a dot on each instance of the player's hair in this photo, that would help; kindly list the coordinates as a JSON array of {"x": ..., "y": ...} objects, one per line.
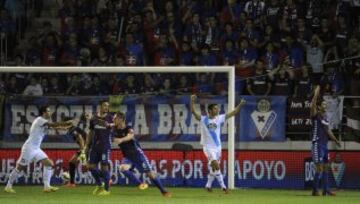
[
  {"x": 211, "y": 106},
  {"x": 120, "y": 115},
  {"x": 103, "y": 101},
  {"x": 43, "y": 109},
  {"x": 319, "y": 103}
]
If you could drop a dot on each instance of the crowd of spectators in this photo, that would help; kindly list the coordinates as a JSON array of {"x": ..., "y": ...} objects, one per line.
[{"x": 279, "y": 47}]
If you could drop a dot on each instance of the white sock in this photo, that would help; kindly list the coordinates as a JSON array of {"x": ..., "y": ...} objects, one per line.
[
  {"x": 12, "y": 177},
  {"x": 219, "y": 178},
  {"x": 48, "y": 172},
  {"x": 210, "y": 180}
]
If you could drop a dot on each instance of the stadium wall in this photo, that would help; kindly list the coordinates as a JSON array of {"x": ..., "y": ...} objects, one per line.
[{"x": 254, "y": 169}]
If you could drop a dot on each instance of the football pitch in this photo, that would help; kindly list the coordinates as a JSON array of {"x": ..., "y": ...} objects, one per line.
[{"x": 131, "y": 195}]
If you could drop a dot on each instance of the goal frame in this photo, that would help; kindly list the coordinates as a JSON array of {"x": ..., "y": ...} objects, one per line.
[{"x": 229, "y": 70}]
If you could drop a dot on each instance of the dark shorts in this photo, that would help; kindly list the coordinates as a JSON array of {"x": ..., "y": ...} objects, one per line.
[
  {"x": 320, "y": 153},
  {"x": 96, "y": 156},
  {"x": 139, "y": 161}
]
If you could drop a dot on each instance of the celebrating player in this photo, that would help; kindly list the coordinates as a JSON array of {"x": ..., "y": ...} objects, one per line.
[
  {"x": 98, "y": 144},
  {"x": 79, "y": 135},
  {"x": 31, "y": 151},
  {"x": 133, "y": 154},
  {"x": 210, "y": 139},
  {"x": 320, "y": 134}
]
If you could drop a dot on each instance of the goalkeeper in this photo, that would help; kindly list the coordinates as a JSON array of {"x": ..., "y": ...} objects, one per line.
[{"x": 79, "y": 135}]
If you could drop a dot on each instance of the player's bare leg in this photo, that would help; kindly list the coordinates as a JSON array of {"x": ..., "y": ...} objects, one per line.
[
  {"x": 47, "y": 173},
  {"x": 15, "y": 173}
]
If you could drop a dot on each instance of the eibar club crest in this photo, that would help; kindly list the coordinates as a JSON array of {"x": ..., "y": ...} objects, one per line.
[
  {"x": 263, "y": 118},
  {"x": 338, "y": 169}
]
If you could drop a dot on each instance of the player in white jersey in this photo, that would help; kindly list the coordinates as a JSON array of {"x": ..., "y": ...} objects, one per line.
[
  {"x": 210, "y": 139},
  {"x": 31, "y": 151}
]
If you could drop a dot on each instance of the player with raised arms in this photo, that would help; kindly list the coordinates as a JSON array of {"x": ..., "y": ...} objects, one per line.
[
  {"x": 320, "y": 136},
  {"x": 31, "y": 150},
  {"x": 210, "y": 138},
  {"x": 133, "y": 154}
]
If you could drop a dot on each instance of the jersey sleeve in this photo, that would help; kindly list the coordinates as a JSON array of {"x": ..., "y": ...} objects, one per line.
[
  {"x": 42, "y": 122},
  {"x": 202, "y": 118},
  {"x": 221, "y": 118},
  {"x": 325, "y": 123}
]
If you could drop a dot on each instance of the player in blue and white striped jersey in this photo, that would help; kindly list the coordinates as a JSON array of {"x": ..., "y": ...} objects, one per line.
[{"x": 210, "y": 139}]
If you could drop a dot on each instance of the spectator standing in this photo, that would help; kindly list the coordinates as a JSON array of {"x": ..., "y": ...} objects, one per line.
[
  {"x": 34, "y": 88},
  {"x": 303, "y": 84},
  {"x": 259, "y": 85},
  {"x": 315, "y": 57}
]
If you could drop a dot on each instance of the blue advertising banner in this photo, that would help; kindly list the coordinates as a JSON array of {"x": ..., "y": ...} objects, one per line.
[
  {"x": 263, "y": 119},
  {"x": 154, "y": 118}
]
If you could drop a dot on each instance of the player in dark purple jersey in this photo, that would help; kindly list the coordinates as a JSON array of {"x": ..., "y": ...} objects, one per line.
[
  {"x": 133, "y": 155},
  {"x": 98, "y": 145},
  {"x": 320, "y": 135}
]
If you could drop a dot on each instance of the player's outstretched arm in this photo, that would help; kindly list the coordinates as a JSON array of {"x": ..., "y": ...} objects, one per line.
[
  {"x": 89, "y": 138},
  {"x": 236, "y": 110},
  {"x": 193, "y": 111},
  {"x": 313, "y": 108},
  {"x": 60, "y": 125},
  {"x": 104, "y": 123},
  {"x": 128, "y": 137}
]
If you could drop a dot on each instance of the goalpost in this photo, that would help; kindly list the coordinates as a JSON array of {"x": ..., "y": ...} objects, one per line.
[{"x": 230, "y": 70}]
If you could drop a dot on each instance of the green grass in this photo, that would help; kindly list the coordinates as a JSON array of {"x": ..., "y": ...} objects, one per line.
[{"x": 131, "y": 195}]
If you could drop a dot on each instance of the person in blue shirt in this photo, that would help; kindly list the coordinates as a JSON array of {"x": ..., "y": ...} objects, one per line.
[
  {"x": 207, "y": 58},
  {"x": 320, "y": 134},
  {"x": 134, "y": 156}
]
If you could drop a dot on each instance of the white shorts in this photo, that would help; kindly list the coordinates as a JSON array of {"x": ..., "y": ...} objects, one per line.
[
  {"x": 29, "y": 155},
  {"x": 212, "y": 154}
]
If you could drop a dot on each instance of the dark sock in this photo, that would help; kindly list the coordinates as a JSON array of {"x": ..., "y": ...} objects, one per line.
[
  {"x": 106, "y": 177},
  {"x": 316, "y": 181},
  {"x": 72, "y": 168},
  {"x": 158, "y": 183},
  {"x": 325, "y": 181},
  {"x": 131, "y": 176},
  {"x": 96, "y": 174}
]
